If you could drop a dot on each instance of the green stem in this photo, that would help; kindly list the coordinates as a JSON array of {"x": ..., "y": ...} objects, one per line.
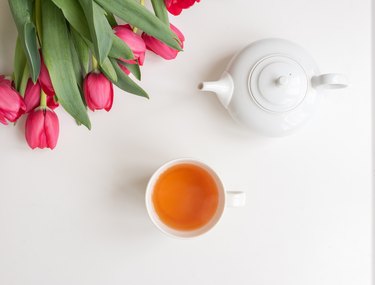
[
  {"x": 43, "y": 100},
  {"x": 38, "y": 20},
  {"x": 135, "y": 29},
  {"x": 94, "y": 64}
]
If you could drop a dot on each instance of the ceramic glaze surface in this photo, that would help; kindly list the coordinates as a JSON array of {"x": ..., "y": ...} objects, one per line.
[
  {"x": 272, "y": 87},
  {"x": 278, "y": 84}
]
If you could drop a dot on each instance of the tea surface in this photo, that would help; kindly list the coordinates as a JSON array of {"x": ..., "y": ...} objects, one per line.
[{"x": 185, "y": 197}]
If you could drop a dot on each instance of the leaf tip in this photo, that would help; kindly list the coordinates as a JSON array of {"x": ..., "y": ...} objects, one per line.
[{"x": 88, "y": 125}]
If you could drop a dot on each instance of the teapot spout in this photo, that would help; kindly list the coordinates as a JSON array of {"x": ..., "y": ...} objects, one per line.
[{"x": 223, "y": 88}]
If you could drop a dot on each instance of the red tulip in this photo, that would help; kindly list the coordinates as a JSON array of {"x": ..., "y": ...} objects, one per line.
[
  {"x": 134, "y": 41},
  {"x": 175, "y": 6},
  {"x": 45, "y": 80},
  {"x": 32, "y": 97},
  {"x": 11, "y": 103},
  {"x": 5, "y": 81},
  {"x": 161, "y": 48},
  {"x": 98, "y": 91},
  {"x": 51, "y": 103},
  {"x": 42, "y": 129}
]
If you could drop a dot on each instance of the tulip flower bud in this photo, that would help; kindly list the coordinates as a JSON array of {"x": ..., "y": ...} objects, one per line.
[
  {"x": 32, "y": 97},
  {"x": 45, "y": 80},
  {"x": 42, "y": 129},
  {"x": 161, "y": 48},
  {"x": 98, "y": 91},
  {"x": 5, "y": 80},
  {"x": 134, "y": 41},
  {"x": 11, "y": 103},
  {"x": 175, "y": 6},
  {"x": 52, "y": 103}
]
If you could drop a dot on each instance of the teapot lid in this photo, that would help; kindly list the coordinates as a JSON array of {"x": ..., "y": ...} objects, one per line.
[{"x": 278, "y": 83}]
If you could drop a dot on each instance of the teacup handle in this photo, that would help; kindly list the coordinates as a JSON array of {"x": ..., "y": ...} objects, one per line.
[
  {"x": 330, "y": 81},
  {"x": 235, "y": 199}
]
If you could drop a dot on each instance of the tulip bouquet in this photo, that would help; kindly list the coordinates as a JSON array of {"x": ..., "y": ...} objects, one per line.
[{"x": 71, "y": 52}]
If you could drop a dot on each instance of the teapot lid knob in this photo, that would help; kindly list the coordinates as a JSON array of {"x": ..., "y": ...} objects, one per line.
[
  {"x": 282, "y": 80},
  {"x": 278, "y": 83}
]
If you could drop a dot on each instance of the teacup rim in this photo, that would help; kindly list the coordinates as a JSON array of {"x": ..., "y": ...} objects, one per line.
[{"x": 153, "y": 215}]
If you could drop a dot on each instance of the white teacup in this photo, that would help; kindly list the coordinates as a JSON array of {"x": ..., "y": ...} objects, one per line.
[{"x": 226, "y": 199}]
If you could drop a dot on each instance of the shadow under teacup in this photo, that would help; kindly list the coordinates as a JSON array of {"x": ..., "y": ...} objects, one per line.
[{"x": 185, "y": 198}]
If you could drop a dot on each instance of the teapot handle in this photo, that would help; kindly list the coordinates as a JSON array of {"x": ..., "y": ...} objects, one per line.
[{"x": 330, "y": 81}]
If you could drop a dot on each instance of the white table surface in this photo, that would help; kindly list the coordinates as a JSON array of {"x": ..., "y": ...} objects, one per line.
[{"x": 76, "y": 215}]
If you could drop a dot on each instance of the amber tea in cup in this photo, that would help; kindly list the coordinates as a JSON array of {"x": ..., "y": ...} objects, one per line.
[{"x": 185, "y": 197}]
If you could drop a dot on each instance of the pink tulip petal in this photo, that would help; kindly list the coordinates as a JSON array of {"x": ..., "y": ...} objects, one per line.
[
  {"x": 2, "y": 119},
  {"x": 101, "y": 98},
  {"x": 179, "y": 34},
  {"x": 42, "y": 129},
  {"x": 43, "y": 141},
  {"x": 141, "y": 58},
  {"x": 32, "y": 96},
  {"x": 51, "y": 103},
  {"x": 184, "y": 4},
  {"x": 133, "y": 61},
  {"x": 110, "y": 103},
  {"x": 98, "y": 91},
  {"x": 35, "y": 129},
  {"x": 11, "y": 103},
  {"x": 175, "y": 6},
  {"x": 161, "y": 48},
  {"x": 133, "y": 40},
  {"x": 5, "y": 81},
  {"x": 52, "y": 129},
  {"x": 45, "y": 80},
  {"x": 175, "y": 10}
]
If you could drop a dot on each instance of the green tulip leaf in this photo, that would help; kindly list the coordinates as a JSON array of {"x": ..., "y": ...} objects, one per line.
[
  {"x": 58, "y": 59},
  {"x": 100, "y": 30},
  {"x": 109, "y": 70},
  {"x": 125, "y": 83},
  {"x": 82, "y": 50},
  {"x": 76, "y": 63},
  {"x": 38, "y": 20},
  {"x": 160, "y": 10},
  {"x": 111, "y": 19},
  {"x": 137, "y": 15},
  {"x": 24, "y": 80},
  {"x": 120, "y": 49},
  {"x": 74, "y": 14},
  {"x": 20, "y": 62},
  {"x": 22, "y": 15},
  {"x": 133, "y": 68},
  {"x": 31, "y": 49}
]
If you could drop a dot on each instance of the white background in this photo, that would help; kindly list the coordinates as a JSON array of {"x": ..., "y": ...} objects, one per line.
[{"x": 76, "y": 215}]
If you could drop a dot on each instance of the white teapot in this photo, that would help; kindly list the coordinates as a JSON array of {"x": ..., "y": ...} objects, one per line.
[{"x": 273, "y": 86}]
